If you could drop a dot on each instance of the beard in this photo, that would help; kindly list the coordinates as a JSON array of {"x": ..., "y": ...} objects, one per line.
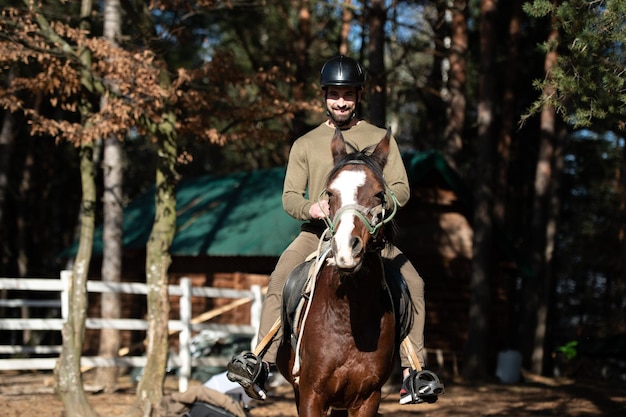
[{"x": 340, "y": 119}]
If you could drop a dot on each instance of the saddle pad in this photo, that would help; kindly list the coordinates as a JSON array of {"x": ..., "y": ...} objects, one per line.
[
  {"x": 401, "y": 298},
  {"x": 293, "y": 291}
]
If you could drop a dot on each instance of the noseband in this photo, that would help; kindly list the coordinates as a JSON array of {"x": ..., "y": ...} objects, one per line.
[{"x": 362, "y": 212}]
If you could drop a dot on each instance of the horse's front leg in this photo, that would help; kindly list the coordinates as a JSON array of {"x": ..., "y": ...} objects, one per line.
[
  {"x": 368, "y": 408},
  {"x": 311, "y": 405}
]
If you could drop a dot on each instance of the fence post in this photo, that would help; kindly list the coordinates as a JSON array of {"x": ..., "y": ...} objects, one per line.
[
  {"x": 66, "y": 276},
  {"x": 255, "y": 312},
  {"x": 185, "y": 334}
]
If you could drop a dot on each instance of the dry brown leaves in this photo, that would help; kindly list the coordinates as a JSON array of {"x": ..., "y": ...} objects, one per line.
[{"x": 215, "y": 102}]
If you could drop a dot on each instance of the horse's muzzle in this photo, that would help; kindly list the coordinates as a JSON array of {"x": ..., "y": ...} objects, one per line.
[{"x": 349, "y": 259}]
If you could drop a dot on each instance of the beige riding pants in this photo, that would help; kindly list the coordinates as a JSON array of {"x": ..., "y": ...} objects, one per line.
[{"x": 305, "y": 244}]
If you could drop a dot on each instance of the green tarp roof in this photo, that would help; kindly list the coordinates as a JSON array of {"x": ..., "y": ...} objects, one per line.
[
  {"x": 239, "y": 214},
  {"x": 235, "y": 215}
]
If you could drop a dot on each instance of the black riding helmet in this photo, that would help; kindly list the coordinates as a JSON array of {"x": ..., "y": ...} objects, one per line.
[{"x": 342, "y": 71}]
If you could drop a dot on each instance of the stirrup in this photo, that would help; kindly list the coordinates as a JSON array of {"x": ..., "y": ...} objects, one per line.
[
  {"x": 250, "y": 372},
  {"x": 419, "y": 387}
]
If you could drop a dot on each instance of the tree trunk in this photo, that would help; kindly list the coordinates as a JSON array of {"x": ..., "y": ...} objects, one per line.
[
  {"x": 303, "y": 68},
  {"x": 616, "y": 291},
  {"x": 503, "y": 160},
  {"x": 68, "y": 378},
  {"x": 158, "y": 260},
  {"x": 536, "y": 288},
  {"x": 346, "y": 22},
  {"x": 378, "y": 85},
  {"x": 7, "y": 135},
  {"x": 106, "y": 377},
  {"x": 453, "y": 132},
  {"x": 545, "y": 333},
  {"x": 6, "y": 145},
  {"x": 480, "y": 300},
  {"x": 24, "y": 209},
  {"x": 436, "y": 117},
  {"x": 507, "y": 129}
]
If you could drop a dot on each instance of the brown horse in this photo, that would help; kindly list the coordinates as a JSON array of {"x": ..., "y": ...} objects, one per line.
[{"x": 349, "y": 334}]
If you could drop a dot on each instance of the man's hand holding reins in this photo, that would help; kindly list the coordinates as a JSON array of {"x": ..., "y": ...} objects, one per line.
[{"x": 319, "y": 210}]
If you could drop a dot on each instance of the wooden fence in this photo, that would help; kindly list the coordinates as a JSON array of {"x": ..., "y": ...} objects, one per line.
[{"x": 184, "y": 326}]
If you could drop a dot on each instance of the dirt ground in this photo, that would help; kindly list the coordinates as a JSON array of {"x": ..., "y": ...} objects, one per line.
[{"x": 31, "y": 395}]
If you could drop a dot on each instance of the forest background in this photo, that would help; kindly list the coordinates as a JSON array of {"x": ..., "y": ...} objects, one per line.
[{"x": 526, "y": 101}]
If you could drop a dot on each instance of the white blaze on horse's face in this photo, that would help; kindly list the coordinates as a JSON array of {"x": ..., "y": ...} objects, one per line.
[{"x": 346, "y": 249}]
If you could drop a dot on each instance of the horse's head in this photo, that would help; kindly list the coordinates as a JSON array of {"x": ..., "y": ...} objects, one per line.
[{"x": 356, "y": 195}]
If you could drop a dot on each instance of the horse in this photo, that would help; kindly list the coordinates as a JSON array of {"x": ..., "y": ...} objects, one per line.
[{"x": 343, "y": 346}]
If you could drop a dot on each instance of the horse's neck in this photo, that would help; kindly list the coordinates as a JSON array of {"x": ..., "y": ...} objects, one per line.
[{"x": 366, "y": 283}]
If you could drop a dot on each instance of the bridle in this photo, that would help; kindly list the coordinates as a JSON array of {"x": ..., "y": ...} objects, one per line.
[{"x": 363, "y": 213}]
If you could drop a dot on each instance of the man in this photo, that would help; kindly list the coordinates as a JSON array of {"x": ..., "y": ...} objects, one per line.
[{"x": 310, "y": 161}]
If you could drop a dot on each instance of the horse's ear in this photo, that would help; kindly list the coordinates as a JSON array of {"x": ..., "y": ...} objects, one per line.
[
  {"x": 382, "y": 149},
  {"x": 338, "y": 145}
]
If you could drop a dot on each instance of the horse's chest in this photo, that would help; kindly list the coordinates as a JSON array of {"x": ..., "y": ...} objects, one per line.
[{"x": 351, "y": 329}]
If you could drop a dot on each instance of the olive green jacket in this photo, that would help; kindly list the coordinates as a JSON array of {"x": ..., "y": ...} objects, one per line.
[{"x": 311, "y": 160}]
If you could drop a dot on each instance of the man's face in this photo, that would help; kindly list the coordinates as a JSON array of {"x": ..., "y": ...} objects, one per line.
[{"x": 341, "y": 103}]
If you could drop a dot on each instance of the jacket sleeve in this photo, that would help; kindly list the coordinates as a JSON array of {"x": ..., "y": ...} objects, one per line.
[
  {"x": 295, "y": 202},
  {"x": 396, "y": 176}
]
